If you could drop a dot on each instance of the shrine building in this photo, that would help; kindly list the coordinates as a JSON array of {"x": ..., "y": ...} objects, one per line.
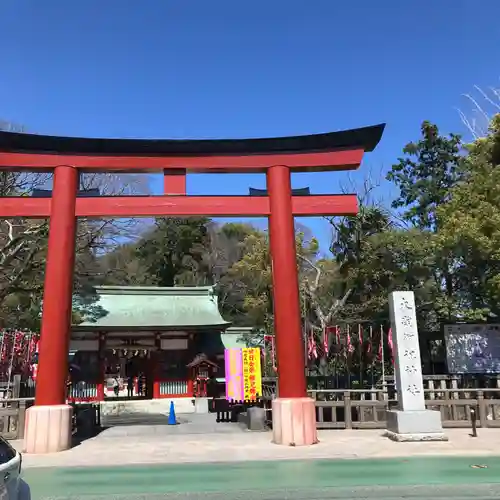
[{"x": 168, "y": 340}]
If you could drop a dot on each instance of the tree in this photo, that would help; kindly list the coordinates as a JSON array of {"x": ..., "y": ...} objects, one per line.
[
  {"x": 425, "y": 175},
  {"x": 350, "y": 243},
  {"x": 350, "y": 248},
  {"x": 484, "y": 104},
  {"x": 470, "y": 227},
  {"x": 396, "y": 259},
  {"x": 228, "y": 246},
  {"x": 102, "y": 237},
  {"x": 251, "y": 274},
  {"x": 23, "y": 247},
  {"x": 22, "y": 251},
  {"x": 173, "y": 252},
  {"x": 225, "y": 248},
  {"x": 425, "y": 178}
]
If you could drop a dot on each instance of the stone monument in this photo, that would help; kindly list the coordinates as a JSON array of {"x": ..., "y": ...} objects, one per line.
[{"x": 411, "y": 421}]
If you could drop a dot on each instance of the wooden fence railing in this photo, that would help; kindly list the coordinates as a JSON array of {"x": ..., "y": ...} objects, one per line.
[
  {"x": 360, "y": 409},
  {"x": 335, "y": 409},
  {"x": 354, "y": 409},
  {"x": 12, "y": 417},
  {"x": 86, "y": 417}
]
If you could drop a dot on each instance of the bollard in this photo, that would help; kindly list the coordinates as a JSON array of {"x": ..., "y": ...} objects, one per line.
[{"x": 473, "y": 418}]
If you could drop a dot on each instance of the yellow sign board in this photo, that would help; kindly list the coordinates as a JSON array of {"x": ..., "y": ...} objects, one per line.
[{"x": 252, "y": 374}]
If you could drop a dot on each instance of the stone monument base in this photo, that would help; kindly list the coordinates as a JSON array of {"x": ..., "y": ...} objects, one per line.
[
  {"x": 422, "y": 425},
  {"x": 201, "y": 405},
  {"x": 256, "y": 419},
  {"x": 48, "y": 429},
  {"x": 294, "y": 422}
]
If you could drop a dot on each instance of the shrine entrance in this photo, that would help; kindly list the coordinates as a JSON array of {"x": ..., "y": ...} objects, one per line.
[
  {"x": 150, "y": 343},
  {"x": 294, "y": 419},
  {"x": 127, "y": 375}
]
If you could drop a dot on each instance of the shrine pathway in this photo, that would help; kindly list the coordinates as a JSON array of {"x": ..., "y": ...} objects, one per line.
[
  {"x": 200, "y": 459},
  {"x": 137, "y": 424},
  {"x": 418, "y": 478}
]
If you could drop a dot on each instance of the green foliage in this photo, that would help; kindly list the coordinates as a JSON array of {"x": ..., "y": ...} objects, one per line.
[
  {"x": 173, "y": 251},
  {"x": 22, "y": 255},
  {"x": 470, "y": 227},
  {"x": 85, "y": 306},
  {"x": 425, "y": 175},
  {"x": 23, "y": 252},
  {"x": 253, "y": 273}
]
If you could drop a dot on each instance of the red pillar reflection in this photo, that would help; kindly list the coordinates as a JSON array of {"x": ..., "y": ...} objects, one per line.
[
  {"x": 102, "y": 368},
  {"x": 156, "y": 368},
  {"x": 287, "y": 320},
  {"x": 58, "y": 289}
]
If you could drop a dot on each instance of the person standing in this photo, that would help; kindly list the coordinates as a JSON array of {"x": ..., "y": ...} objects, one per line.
[
  {"x": 116, "y": 386},
  {"x": 130, "y": 386},
  {"x": 140, "y": 383}
]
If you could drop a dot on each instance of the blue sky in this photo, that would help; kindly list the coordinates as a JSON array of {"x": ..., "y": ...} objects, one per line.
[{"x": 209, "y": 69}]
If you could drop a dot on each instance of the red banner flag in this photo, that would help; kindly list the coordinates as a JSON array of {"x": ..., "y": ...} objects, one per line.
[
  {"x": 369, "y": 347},
  {"x": 273, "y": 354},
  {"x": 350, "y": 347},
  {"x": 390, "y": 344},
  {"x": 312, "y": 351},
  {"x": 381, "y": 345},
  {"x": 326, "y": 340}
]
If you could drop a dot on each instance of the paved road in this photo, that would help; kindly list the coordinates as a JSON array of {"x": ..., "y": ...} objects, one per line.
[
  {"x": 205, "y": 441},
  {"x": 425, "y": 478}
]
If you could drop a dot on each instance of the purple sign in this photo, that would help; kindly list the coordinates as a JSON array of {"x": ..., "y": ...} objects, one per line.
[{"x": 234, "y": 374}]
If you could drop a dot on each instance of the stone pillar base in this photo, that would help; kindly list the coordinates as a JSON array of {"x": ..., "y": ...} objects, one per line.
[
  {"x": 48, "y": 429},
  {"x": 418, "y": 425},
  {"x": 294, "y": 422},
  {"x": 201, "y": 405}
]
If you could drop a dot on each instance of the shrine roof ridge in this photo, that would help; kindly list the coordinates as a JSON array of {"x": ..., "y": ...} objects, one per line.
[
  {"x": 173, "y": 291},
  {"x": 154, "y": 308},
  {"x": 365, "y": 138}
]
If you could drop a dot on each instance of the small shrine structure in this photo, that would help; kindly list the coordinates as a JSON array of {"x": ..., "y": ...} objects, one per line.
[{"x": 168, "y": 340}]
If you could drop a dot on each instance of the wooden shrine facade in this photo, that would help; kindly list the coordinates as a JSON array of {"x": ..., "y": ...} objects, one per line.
[{"x": 167, "y": 341}]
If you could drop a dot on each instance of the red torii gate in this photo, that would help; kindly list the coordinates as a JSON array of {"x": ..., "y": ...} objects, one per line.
[{"x": 48, "y": 423}]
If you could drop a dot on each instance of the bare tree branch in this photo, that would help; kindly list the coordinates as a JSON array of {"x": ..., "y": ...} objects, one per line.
[
  {"x": 311, "y": 289},
  {"x": 477, "y": 119}
]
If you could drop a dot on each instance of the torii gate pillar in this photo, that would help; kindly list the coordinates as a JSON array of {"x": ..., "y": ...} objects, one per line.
[
  {"x": 294, "y": 414},
  {"x": 48, "y": 423}
]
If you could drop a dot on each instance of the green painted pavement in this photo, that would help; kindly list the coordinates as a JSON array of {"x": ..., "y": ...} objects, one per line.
[{"x": 311, "y": 476}]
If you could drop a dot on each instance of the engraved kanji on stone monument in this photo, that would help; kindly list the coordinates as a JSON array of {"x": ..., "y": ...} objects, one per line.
[{"x": 408, "y": 366}]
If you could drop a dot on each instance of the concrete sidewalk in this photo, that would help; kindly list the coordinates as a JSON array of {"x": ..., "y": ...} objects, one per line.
[{"x": 127, "y": 445}]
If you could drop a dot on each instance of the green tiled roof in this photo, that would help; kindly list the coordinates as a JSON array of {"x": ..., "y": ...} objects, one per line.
[{"x": 149, "y": 308}]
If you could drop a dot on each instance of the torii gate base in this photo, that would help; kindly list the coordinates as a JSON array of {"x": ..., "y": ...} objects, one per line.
[
  {"x": 48, "y": 423},
  {"x": 294, "y": 421},
  {"x": 48, "y": 429}
]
